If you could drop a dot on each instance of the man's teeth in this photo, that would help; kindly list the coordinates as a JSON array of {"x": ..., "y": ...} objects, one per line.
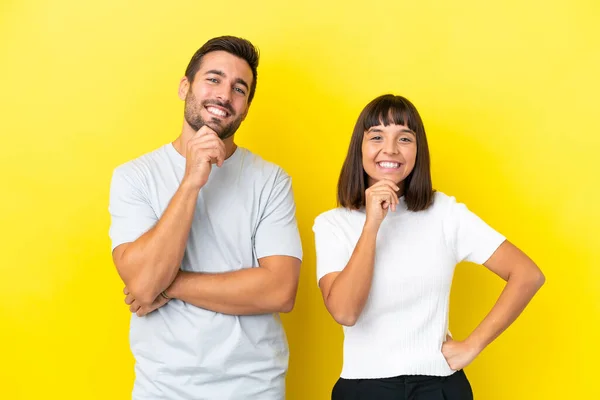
[
  {"x": 216, "y": 111},
  {"x": 386, "y": 164}
]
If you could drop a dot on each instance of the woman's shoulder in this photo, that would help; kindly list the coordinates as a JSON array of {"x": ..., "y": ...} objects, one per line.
[
  {"x": 441, "y": 206},
  {"x": 447, "y": 207},
  {"x": 336, "y": 217},
  {"x": 441, "y": 201},
  {"x": 331, "y": 215},
  {"x": 448, "y": 201}
]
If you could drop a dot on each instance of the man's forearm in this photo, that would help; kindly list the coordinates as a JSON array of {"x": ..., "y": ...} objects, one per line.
[
  {"x": 150, "y": 264},
  {"x": 248, "y": 291}
]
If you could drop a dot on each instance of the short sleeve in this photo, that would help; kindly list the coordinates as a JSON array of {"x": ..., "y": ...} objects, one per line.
[
  {"x": 130, "y": 210},
  {"x": 333, "y": 254},
  {"x": 470, "y": 237},
  {"x": 277, "y": 231}
]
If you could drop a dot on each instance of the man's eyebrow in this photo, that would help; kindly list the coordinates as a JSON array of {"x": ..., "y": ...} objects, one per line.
[
  {"x": 239, "y": 81},
  {"x": 242, "y": 82},
  {"x": 215, "y": 72}
]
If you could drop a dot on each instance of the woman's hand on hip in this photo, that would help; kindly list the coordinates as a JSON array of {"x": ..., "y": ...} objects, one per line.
[{"x": 458, "y": 354}]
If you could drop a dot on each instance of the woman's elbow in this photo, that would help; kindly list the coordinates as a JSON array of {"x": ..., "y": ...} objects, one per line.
[
  {"x": 533, "y": 280},
  {"x": 539, "y": 279},
  {"x": 344, "y": 317},
  {"x": 346, "y": 320}
]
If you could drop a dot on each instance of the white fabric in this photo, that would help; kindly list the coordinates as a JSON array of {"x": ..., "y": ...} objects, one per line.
[
  {"x": 405, "y": 319},
  {"x": 245, "y": 212}
]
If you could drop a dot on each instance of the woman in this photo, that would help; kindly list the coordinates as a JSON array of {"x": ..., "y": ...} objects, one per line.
[{"x": 385, "y": 261}]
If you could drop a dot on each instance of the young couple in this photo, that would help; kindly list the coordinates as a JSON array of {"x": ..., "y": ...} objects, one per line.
[{"x": 204, "y": 236}]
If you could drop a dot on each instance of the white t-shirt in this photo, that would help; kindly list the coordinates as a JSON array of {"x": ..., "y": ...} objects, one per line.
[
  {"x": 245, "y": 212},
  {"x": 405, "y": 319}
]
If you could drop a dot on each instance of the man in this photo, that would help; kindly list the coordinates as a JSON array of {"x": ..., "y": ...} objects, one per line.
[{"x": 204, "y": 236}]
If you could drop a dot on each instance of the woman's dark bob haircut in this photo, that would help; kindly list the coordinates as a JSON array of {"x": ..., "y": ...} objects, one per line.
[{"x": 386, "y": 110}]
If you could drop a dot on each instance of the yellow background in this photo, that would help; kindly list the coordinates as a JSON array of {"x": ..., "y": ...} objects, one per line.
[{"x": 509, "y": 95}]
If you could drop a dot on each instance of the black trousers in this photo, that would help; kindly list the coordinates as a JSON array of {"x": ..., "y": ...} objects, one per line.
[{"x": 405, "y": 387}]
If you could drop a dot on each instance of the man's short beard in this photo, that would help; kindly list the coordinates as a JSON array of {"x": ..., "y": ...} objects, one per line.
[{"x": 195, "y": 120}]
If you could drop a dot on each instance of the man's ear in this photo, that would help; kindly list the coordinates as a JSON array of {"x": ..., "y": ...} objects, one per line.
[{"x": 184, "y": 87}]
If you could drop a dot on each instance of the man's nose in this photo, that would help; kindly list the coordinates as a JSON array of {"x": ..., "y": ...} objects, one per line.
[{"x": 224, "y": 95}]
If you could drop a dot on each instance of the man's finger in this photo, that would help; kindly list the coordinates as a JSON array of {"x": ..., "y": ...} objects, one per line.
[
  {"x": 129, "y": 299},
  {"x": 206, "y": 130},
  {"x": 134, "y": 306},
  {"x": 221, "y": 157}
]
